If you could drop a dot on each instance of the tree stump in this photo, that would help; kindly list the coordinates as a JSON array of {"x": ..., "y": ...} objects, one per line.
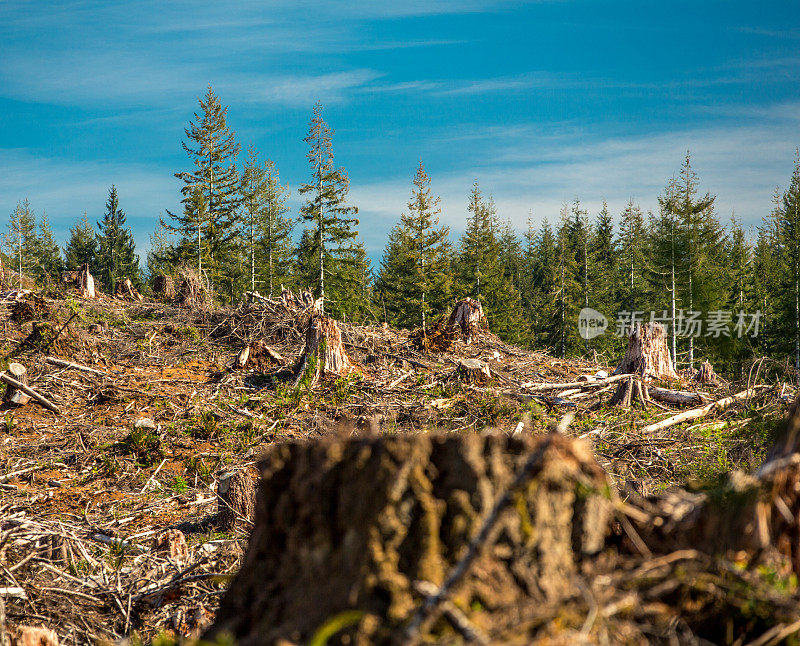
[
  {"x": 628, "y": 391},
  {"x": 468, "y": 315},
  {"x": 172, "y": 543},
  {"x": 473, "y": 371},
  {"x": 705, "y": 374},
  {"x": 191, "y": 291},
  {"x": 12, "y": 394},
  {"x": 85, "y": 282},
  {"x": 125, "y": 289},
  {"x": 344, "y": 524},
  {"x": 648, "y": 355},
  {"x": 324, "y": 353},
  {"x": 236, "y": 500},
  {"x": 164, "y": 286},
  {"x": 258, "y": 355}
]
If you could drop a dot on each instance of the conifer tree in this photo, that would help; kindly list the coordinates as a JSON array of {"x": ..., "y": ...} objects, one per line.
[
  {"x": 82, "y": 245},
  {"x": 767, "y": 277},
  {"x": 47, "y": 254},
  {"x": 605, "y": 261},
  {"x": 632, "y": 256},
  {"x": 332, "y": 257},
  {"x": 210, "y": 190},
  {"x": 160, "y": 255},
  {"x": 542, "y": 256},
  {"x": 21, "y": 238},
  {"x": 789, "y": 282},
  {"x": 480, "y": 271},
  {"x": 414, "y": 278},
  {"x": 116, "y": 250},
  {"x": 266, "y": 229}
]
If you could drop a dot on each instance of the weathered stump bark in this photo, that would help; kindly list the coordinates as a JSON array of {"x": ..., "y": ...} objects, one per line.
[
  {"x": 705, "y": 374},
  {"x": 125, "y": 289},
  {"x": 14, "y": 395},
  {"x": 164, "y": 286},
  {"x": 172, "y": 543},
  {"x": 473, "y": 371},
  {"x": 85, "y": 282},
  {"x": 236, "y": 494},
  {"x": 628, "y": 391},
  {"x": 464, "y": 322},
  {"x": 647, "y": 354},
  {"x": 358, "y": 523},
  {"x": 191, "y": 291},
  {"x": 324, "y": 353}
]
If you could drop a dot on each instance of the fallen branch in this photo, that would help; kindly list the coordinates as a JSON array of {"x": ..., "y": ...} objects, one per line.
[
  {"x": 73, "y": 366},
  {"x": 697, "y": 413},
  {"x": 576, "y": 384},
  {"x": 29, "y": 391}
]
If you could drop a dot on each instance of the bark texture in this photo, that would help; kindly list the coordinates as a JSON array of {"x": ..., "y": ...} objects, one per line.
[
  {"x": 324, "y": 353},
  {"x": 465, "y": 322},
  {"x": 85, "y": 282},
  {"x": 164, "y": 286},
  {"x": 125, "y": 289},
  {"x": 648, "y": 354},
  {"x": 358, "y": 524},
  {"x": 237, "y": 498}
]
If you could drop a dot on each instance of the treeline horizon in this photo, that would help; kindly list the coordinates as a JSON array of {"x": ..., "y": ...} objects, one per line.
[{"x": 679, "y": 265}]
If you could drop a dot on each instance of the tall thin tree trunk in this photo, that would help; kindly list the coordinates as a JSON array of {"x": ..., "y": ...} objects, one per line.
[
  {"x": 673, "y": 331},
  {"x": 253, "y": 256}
]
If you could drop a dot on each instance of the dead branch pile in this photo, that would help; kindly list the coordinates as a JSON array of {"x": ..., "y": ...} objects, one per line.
[
  {"x": 465, "y": 322},
  {"x": 31, "y": 307}
]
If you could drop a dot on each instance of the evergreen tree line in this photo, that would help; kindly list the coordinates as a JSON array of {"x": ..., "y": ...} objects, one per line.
[
  {"x": 722, "y": 295},
  {"x": 31, "y": 250}
]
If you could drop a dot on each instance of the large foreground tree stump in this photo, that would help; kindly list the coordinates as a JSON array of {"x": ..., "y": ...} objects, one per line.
[
  {"x": 367, "y": 523},
  {"x": 324, "y": 353}
]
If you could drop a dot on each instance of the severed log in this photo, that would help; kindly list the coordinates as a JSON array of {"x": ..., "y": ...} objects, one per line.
[
  {"x": 5, "y": 378},
  {"x": 61, "y": 363},
  {"x": 697, "y": 413},
  {"x": 647, "y": 354},
  {"x": 14, "y": 395},
  {"x": 324, "y": 352},
  {"x": 258, "y": 355},
  {"x": 681, "y": 397}
]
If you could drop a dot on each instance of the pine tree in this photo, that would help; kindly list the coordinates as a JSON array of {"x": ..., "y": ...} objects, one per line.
[
  {"x": 766, "y": 278},
  {"x": 605, "y": 261},
  {"x": 568, "y": 288},
  {"x": 632, "y": 256},
  {"x": 160, "y": 255},
  {"x": 266, "y": 229},
  {"x": 116, "y": 250},
  {"x": 541, "y": 309},
  {"x": 47, "y": 254},
  {"x": 210, "y": 191},
  {"x": 789, "y": 283},
  {"x": 21, "y": 238},
  {"x": 480, "y": 272},
  {"x": 414, "y": 278},
  {"x": 332, "y": 252},
  {"x": 82, "y": 245}
]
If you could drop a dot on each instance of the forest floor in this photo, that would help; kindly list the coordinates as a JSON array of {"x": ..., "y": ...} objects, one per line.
[{"x": 139, "y": 445}]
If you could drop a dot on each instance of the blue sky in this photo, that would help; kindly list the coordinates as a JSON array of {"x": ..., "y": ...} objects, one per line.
[{"x": 542, "y": 102}]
